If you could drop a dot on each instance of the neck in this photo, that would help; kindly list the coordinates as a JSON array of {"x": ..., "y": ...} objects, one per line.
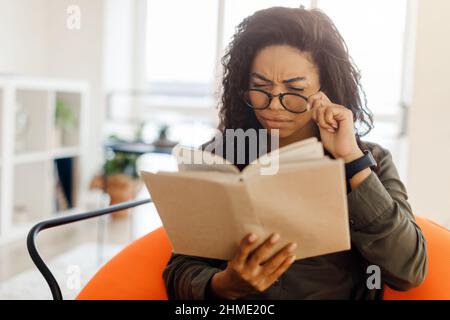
[{"x": 308, "y": 131}]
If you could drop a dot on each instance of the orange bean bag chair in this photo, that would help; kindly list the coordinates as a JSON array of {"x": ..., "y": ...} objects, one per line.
[
  {"x": 136, "y": 272},
  {"x": 436, "y": 285}
]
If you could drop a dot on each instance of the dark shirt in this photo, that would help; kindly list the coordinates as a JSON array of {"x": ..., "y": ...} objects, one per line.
[{"x": 383, "y": 232}]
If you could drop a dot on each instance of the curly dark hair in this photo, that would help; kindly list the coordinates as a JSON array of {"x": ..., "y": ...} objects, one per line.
[{"x": 310, "y": 31}]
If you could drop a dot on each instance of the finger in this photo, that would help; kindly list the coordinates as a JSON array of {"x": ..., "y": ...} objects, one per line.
[
  {"x": 262, "y": 253},
  {"x": 319, "y": 96},
  {"x": 324, "y": 96},
  {"x": 274, "y": 262},
  {"x": 340, "y": 113},
  {"x": 312, "y": 100},
  {"x": 245, "y": 247},
  {"x": 329, "y": 118},
  {"x": 321, "y": 119},
  {"x": 287, "y": 262},
  {"x": 315, "y": 105}
]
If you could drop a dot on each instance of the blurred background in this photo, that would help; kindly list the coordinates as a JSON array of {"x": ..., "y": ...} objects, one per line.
[{"x": 103, "y": 88}]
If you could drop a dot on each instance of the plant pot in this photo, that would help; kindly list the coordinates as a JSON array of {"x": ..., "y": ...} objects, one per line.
[{"x": 121, "y": 188}]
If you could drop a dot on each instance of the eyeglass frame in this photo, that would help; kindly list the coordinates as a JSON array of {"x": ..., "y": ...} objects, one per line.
[{"x": 280, "y": 97}]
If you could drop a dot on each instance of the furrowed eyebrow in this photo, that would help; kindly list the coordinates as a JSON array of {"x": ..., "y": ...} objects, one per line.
[
  {"x": 294, "y": 79},
  {"x": 261, "y": 77}
]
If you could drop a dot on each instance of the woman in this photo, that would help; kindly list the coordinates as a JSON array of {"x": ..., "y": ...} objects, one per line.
[{"x": 289, "y": 69}]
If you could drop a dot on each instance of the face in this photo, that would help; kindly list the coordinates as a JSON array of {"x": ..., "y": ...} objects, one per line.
[{"x": 284, "y": 69}]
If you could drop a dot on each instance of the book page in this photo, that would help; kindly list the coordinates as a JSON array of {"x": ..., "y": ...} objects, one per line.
[
  {"x": 310, "y": 152},
  {"x": 305, "y": 203},
  {"x": 268, "y": 164},
  {"x": 190, "y": 159},
  {"x": 298, "y": 144},
  {"x": 255, "y": 170},
  {"x": 216, "y": 176},
  {"x": 202, "y": 218},
  {"x": 208, "y": 217}
]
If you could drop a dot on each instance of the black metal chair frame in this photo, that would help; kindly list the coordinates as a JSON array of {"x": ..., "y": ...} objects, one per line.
[{"x": 55, "y": 222}]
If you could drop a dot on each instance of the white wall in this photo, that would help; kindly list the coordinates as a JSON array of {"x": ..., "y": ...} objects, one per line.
[
  {"x": 429, "y": 119},
  {"x": 78, "y": 54},
  {"x": 118, "y": 44},
  {"x": 24, "y": 36},
  {"x": 35, "y": 41}
]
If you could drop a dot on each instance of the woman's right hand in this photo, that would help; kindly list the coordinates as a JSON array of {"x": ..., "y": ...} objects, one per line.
[{"x": 252, "y": 269}]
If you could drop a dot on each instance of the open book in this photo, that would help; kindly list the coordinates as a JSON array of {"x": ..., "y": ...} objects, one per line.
[{"x": 208, "y": 206}]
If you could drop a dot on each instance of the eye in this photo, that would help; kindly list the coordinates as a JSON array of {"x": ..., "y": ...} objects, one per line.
[
  {"x": 296, "y": 89},
  {"x": 259, "y": 85}
]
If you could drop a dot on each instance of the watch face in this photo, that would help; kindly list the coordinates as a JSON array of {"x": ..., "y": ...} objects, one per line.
[
  {"x": 360, "y": 164},
  {"x": 371, "y": 158}
]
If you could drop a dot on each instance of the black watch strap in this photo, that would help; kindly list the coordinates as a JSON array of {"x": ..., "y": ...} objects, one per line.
[{"x": 366, "y": 161}]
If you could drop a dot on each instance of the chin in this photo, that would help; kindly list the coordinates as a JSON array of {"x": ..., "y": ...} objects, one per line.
[{"x": 283, "y": 133}]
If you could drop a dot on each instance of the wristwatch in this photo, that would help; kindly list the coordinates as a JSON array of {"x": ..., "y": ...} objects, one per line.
[{"x": 366, "y": 161}]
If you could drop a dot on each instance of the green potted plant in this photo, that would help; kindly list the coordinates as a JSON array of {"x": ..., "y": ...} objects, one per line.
[
  {"x": 123, "y": 182},
  {"x": 65, "y": 123}
]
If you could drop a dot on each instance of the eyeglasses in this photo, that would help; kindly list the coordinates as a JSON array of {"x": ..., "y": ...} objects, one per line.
[{"x": 259, "y": 100}]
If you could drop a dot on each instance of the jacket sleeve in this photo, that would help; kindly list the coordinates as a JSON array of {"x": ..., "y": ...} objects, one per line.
[
  {"x": 187, "y": 277},
  {"x": 383, "y": 228}
]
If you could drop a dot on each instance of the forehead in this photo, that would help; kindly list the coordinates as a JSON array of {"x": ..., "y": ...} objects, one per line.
[{"x": 281, "y": 62}]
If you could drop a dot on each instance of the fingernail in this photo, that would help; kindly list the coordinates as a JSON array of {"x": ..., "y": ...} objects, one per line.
[
  {"x": 292, "y": 259},
  {"x": 292, "y": 247},
  {"x": 252, "y": 237},
  {"x": 330, "y": 130},
  {"x": 275, "y": 237}
]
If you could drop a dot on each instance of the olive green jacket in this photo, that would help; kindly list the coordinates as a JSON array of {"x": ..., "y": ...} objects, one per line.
[{"x": 383, "y": 233}]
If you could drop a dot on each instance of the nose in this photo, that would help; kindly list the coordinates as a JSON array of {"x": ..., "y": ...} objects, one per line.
[{"x": 275, "y": 104}]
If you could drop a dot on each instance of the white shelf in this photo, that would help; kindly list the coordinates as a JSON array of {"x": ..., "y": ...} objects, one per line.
[
  {"x": 38, "y": 83},
  {"x": 1, "y": 124},
  {"x": 31, "y": 131},
  {"x": 67, "y": 152},
  {"x": 31, "y": 157},
  {"x": 32, "y": 187},
  {"x": 69, "y": 137},
  {"x": 34, "y": 154}
]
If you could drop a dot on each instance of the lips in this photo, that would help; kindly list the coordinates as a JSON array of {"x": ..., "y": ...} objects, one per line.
[
  {"x": 276, "y": 119},
  {"x": 275, "y": 122}
]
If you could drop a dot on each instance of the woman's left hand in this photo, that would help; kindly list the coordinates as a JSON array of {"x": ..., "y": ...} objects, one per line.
[{"x": 336, "y": 128}]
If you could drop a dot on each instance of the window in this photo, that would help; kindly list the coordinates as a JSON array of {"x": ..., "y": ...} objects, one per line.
[
  {"x": 182, "y": 49},
  {"x": 374, "y": 32},
  {"x": 236, "y": 10},
  {"x": 180, "y": 46},
  {"x": 185, "y": 41}
]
